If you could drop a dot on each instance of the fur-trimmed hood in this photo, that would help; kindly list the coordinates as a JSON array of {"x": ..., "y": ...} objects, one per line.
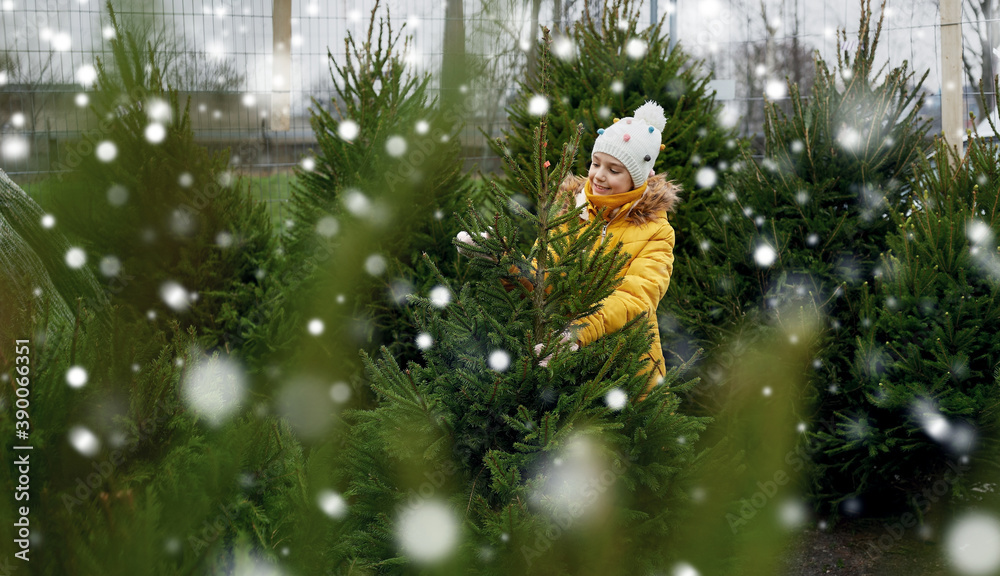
[{"x": 661, "y": 195}]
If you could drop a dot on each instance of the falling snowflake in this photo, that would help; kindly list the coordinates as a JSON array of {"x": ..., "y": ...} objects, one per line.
[
  {"x": 636, "y": 48},
  {"x": 767, "y": 391},
  {"x": 224, "y": 239},
  {"x": 308, "y": 163},
  {"x": 214, "y": 389},
  {"x": 332, "y": 504},
  {"x": 15, "y": 148},
  {"x": 499, "y": 360},
  {"x": 706, "y": 177},
  {"x": 684, "y": 569},
  {"x": 776, "y": 90},
  {"x": 440, "y": 296},
  {"x": 86, "y": 75},
  {"x": 538, "y": 105},
  {"x": 973, "y": 544},
  {"x": 395, "y": 146},
  {"x": 175, "y": 296},
  {"x": 792, "y": 514},
  {"x": 427, "y": 532},
  {"x": 158, "y": 110},
  {"x": 422, "y": 127},
  {"x": 797, "y": 146},
  {"x": 348, "y": 130},
  {"x": 357, "y": 203},
  {"x": 107, "y": 151},
  {"x": 76, "y": 377},
  {"x": 340, "y": 392},
  {"x": 48, "y": 221},
  {"x": 979, "y": 232},
  {"x": 84, "y": 441},
  {"x": 155, "y": 133},
  {"x": 81, "y": 100},
  {"x": 375, "y": 265},
  {"x": 849, "y": 138},
  {"x": 563, "y": 48},
  {"x": 616, "y": 399},
  {"x": 76, "y": 258},
  {"x": 852, "y": 506},
  {"x": 110, "y": 266},
  {"x": 316, "y": 327},
  {"x": 617, "y": 87},
  {"x": 424, "y": 341},
  {"x": 327, "y": 226},
  {"x": 765, "y": 255}
]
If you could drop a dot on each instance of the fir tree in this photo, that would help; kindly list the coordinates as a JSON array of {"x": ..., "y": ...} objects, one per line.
[
  {"x": 805, "y": 226},
  {"x": 533, "y": 456},
  {"x": 157, "y": 212},
  {"x": 922, "y": 408},
  {"x": 388, "y": 160}
]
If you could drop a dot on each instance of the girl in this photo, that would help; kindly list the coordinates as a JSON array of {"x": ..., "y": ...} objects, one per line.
[
  {"x": 622, "y": 188},
  {"x": 635, "y": 200}
]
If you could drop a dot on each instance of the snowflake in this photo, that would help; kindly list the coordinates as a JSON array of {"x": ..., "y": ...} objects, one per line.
[{"x": 84, "y": 441}]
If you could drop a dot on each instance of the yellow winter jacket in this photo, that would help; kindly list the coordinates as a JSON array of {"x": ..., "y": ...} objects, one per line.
[{"x": 648, "y": 238}]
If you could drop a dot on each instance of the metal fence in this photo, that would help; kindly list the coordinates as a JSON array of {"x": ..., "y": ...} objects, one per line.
[{"x": 221, "y": 54}]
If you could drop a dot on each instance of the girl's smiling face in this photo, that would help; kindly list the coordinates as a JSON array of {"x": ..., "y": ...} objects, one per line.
[{"x": 608, "y": 176}]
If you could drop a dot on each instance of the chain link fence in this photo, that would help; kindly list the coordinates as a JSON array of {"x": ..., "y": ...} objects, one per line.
[{"x": 220, "y": 55}]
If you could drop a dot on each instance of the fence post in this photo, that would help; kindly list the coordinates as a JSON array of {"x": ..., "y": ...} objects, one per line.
[
  {"x": 281, "y": 67},
  {"x": 952, "y": 121}
]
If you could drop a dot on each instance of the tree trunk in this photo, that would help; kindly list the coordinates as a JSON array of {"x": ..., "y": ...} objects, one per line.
[
  {"x": 989, "y": 58},
  {"x": 536, "y": 7},
  {"x": 453, "y": 64}
]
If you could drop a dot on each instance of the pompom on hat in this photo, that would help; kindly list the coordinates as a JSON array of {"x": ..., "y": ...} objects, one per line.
[{"x": 635, "y": 141}]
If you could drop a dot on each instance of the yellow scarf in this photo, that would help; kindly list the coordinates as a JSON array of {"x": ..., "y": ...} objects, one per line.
[{"x": 612, "y": 201}]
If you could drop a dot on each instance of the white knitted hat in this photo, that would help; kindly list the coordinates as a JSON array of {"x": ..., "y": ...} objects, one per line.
[{"x": 635, "y": 141}]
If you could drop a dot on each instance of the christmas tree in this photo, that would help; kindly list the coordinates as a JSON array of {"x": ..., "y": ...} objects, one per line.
[
  {"x": 503, "y": 450},
  {"x": 388, "y": 167},
  {"x": 843, "y": 216},
  {"x": 166, "y": 222},
  {"x": 117, "y": 421},
  {"x": 923, "y": 409}
]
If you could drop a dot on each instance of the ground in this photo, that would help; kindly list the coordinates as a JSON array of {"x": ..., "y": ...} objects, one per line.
[{"x": 853, "y": 549}]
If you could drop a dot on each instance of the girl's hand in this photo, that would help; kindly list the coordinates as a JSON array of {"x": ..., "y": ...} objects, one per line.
[
  {"x": 465, "y": 238},
  {"x": 566, "y": 336}
]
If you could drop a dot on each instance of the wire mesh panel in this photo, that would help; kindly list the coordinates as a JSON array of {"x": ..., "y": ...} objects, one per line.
[{"x": 221, "y": 56}]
